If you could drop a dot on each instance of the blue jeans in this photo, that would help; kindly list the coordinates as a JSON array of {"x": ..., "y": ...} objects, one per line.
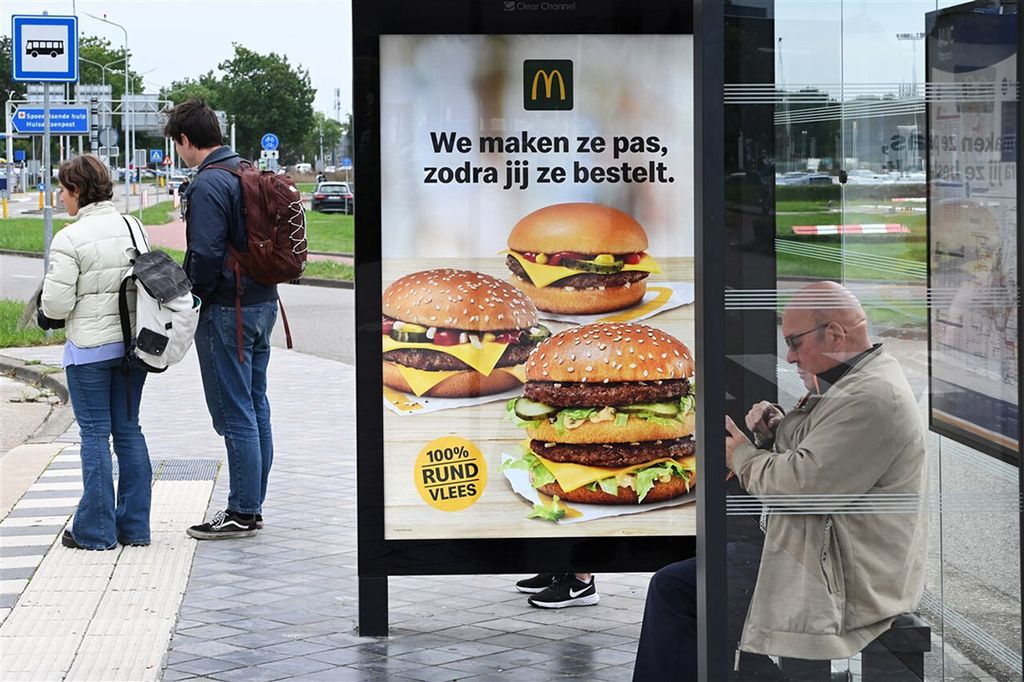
[
  {"x": 667, "y": 651},
  {"x": 100, "y": 394},
  {"x": 236, "y": 396}
]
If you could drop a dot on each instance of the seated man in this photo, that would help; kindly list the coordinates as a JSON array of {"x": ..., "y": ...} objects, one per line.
[{"x": 830, "y": 582}]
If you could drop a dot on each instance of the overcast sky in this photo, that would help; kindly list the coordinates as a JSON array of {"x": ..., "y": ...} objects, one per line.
[{"x": 187, "y": 38}]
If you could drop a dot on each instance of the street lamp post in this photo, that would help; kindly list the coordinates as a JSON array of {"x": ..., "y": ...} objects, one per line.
[{"x": 124, "y": 114}]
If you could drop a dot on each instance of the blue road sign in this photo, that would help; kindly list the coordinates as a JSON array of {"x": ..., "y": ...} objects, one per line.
[
  {"x": 45, "y": 48},
  {"x": 156, "y": 155},
  {"x": 63, "y": 120},
  {"x": 19, "y": 155},
  {"x": 269, "y": 141}
]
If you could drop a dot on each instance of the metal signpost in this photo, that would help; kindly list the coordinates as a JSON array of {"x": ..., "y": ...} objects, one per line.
[
  {"x": 269, "y": 154},
  {"x": 44, "y": 49}
]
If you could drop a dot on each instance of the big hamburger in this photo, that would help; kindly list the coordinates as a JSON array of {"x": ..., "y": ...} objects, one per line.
[
  {"x": 609, "y": 412},
  {"x": 456, "y": 334},
  {"x": 580, "y": 258}
]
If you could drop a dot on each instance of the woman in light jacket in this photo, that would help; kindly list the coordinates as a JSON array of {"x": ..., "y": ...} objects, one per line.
[{"x": 88, "y": 260}]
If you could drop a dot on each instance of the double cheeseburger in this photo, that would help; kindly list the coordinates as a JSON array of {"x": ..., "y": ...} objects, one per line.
[
  {"x": 580, "y": 258},
  {"x": 609, "y": 411},
  {"x": 456, "y": 334}
]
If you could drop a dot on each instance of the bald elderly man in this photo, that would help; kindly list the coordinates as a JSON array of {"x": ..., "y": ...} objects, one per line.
[{"x": 828, "y": 582}]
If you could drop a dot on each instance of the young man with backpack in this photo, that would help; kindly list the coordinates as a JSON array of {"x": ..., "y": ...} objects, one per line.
[{"x": 238, "y": 312}]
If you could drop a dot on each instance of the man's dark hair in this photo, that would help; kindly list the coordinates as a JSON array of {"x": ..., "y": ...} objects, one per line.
[
  {"x": 195, "y": 120},
  {"x": 88, "y": 177}
]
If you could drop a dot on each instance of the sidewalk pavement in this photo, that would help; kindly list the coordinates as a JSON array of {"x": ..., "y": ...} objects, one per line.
[{"x": 281, "y": 605}]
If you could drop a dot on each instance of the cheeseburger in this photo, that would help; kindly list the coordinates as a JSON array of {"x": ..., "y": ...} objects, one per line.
[
  {"x": 580, "y": 258},
  {"x": 456, "y": 334},
  {"x": 609, "y": 412}
]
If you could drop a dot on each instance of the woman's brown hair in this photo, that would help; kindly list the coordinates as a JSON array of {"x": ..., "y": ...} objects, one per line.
[{"x": 88, "y": 177}]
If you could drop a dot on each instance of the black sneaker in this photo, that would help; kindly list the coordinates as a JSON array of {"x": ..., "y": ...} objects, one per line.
[
  {"x": 568, "y": 591},
  {"x": 539, "y": 582},
  {"x": 224, "y": 526},
  {"x": 68, "y": 540},
  {"x": 259, "y": 521}
]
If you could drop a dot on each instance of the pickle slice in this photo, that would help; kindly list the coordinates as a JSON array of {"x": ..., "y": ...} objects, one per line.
[
  {"x": 657, "y": 409},
  {"x": 592, "y": 266},
  {"x": 529, "y": 410},
  {"x": 542, "y": 333},
  {"x": 406, "y": 336}
]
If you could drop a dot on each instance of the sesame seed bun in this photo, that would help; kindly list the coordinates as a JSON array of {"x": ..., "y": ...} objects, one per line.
[
  {"x": 610, "y": 352},
  {"x": 458, "y": 299},
  {"x": 583, "y": 228},
  {"x": 573, "y": 301},
  {"x": 462, "y": 384},
  {"x": 636, "y": 430}
]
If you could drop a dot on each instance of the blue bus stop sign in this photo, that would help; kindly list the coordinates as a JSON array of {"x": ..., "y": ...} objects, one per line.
[
  {"x": 44, "y": 48},
  {"x": 269, "y": 142}
]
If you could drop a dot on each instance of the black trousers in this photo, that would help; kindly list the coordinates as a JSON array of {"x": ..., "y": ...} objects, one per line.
[{"x": 668, "y": 639}]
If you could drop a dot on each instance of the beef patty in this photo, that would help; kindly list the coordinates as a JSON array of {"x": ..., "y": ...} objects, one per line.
[
  {"x": 435, "y": 361},
  {"x": 585, "y": 280},
  {"x": 564, "y": 394},
  {"x": 614, "y": 454}
]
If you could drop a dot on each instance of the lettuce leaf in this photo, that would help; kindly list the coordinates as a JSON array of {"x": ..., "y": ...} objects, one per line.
[
  {"x": 687, "y": 404},
  {"x": 578, "y": 414},
  {"x": 548, "y": 512},
  {"x": 609, "y": 485},
  {"x": 540, "y": 475},
  {"x": 621, "y": 418}
]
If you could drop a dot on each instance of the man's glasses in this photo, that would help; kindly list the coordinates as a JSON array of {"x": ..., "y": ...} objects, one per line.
[{"x": 792, "y": 339}]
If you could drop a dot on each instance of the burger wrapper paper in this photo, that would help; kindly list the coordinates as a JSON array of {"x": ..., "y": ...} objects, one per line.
[
  {"x": 660, "y": 297},
  {"x": 520, "y": 482},
  {"x": 405, "y": 404}
]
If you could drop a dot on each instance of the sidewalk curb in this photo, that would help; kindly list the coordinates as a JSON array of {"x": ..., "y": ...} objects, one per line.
[{"x": 61, "y": 416}]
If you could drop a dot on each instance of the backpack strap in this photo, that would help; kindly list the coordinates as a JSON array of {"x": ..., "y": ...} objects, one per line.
[
  {"x": 131, "y": 233},
  {"x": 284, "y": 318},
  {"x": 126, "y": 334}
]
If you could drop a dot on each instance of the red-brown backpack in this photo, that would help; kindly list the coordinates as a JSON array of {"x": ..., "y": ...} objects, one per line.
[{"x": 275, "y": 235}]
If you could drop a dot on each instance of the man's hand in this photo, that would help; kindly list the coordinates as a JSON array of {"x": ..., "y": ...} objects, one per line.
[
  {"x": 735, "y": 438},
  {"x": 763, "y": 419}
]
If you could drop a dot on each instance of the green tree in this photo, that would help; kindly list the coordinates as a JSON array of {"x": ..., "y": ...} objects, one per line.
[
  {"x": 12, "y": 88},
  {"x": 332, "y": 132},
  {"x": 264, "y": 93},
  {"x": 207, "y": 88}
]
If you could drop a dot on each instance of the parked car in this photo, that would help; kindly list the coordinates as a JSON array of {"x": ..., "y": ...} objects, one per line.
[{"x": 333, "y": 196}]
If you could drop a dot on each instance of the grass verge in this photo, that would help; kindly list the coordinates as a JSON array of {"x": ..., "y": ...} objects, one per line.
[
  {"x": 12, "y": 337},
  {"x": 330, "y": 232},
  {"x": 329, "y": 270}
]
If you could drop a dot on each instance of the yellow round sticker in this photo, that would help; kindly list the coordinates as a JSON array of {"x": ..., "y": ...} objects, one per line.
[{"x": 450, "y": 473}]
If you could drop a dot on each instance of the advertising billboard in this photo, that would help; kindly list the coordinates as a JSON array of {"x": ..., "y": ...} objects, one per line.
[
  {"x": 972, "y": 227},
  {"x": 537, "y": 286}
]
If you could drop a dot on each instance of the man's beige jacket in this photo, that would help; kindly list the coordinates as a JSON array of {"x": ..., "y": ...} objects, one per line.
[
  {"x": 88, "y": 260},
  {"x": 832, "y": 580}
]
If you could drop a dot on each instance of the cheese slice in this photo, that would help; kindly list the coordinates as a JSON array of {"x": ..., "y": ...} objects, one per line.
[
  {"x": 482, "y": 359},
  {"x": 421, "y": 380},
  {"x": 543, "y": 275},
  {"x": 573, "y": 476}
]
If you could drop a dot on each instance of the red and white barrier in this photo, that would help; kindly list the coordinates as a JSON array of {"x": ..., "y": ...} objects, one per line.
[{"x": 867, "y": 228}]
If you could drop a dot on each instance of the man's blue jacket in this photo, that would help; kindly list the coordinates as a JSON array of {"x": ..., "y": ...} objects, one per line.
[{"x": 214, "y": 219}]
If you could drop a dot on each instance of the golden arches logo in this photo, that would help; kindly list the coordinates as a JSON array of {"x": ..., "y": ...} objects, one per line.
[
  {"x": 549, "y": 80},
  {"x": 547, "y": 85}
]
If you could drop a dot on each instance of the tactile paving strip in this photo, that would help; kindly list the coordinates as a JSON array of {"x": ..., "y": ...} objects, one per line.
[{"x": 107, "y": 615}]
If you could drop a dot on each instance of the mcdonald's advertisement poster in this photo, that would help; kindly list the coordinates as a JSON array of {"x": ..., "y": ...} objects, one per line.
[{"x": 538, "y": 297}]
